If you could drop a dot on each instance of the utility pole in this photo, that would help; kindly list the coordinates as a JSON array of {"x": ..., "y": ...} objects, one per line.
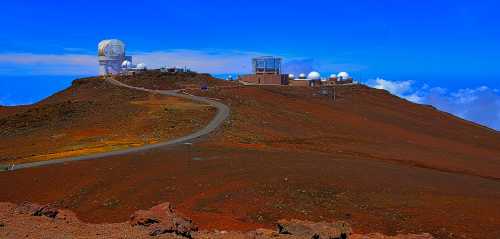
[{"x": 334, "y": 93}]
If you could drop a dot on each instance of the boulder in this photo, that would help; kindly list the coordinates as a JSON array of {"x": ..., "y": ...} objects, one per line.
[
  {"x": 381, "y": 236},
  {"x": 38, "y": 210},
  {"x": 163, "y": 219},
  {"x": 314, "y": 230}
]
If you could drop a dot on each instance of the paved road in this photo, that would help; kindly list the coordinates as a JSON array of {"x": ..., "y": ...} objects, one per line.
[{"x": 222, "y": 114}]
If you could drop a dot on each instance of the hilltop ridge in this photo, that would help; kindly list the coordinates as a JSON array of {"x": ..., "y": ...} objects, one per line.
[{"x": 377, "y": 161}]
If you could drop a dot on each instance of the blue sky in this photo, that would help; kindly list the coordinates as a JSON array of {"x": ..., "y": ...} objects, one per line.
[{"x": 418, "y": 45}]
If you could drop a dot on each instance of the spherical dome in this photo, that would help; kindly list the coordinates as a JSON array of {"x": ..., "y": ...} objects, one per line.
[
  {"x": 141, "y": 66},
  {"x": 314, "y": 76},
  {"x": 291, "y": 76},
  {"x": 333, "y": 76},
  {"x": 126, "y": 64},
  {"x": 302, "y": 76},
  {"x": 343, "y": 75},
  {"x": 111, "y": 48}
]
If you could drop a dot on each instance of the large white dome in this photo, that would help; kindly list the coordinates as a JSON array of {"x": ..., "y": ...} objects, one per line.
[
  {"x": 314, "y": 76},
  {"x": 126, "y": 64},
  {"x": 343, "y": 75},
  {"x": 111, "y": 48}
]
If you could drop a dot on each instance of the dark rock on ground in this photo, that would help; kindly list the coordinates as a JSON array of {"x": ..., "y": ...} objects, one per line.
[
  {"x": 163, "y": 219},
  {"x": 316, "y": 230},
  {"x": 34, "y": 209}
]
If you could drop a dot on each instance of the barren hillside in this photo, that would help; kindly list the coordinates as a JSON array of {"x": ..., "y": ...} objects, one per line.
[
  {"x": 94, "y": 116},
  {"x": 379, "y": 162}
]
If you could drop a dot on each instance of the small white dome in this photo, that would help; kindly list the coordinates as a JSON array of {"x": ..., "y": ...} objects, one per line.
[
  {"x": 126, "y": 64},
  {"x": 141, "y": 66},
  {"x": 333, "y": 76},
  {"x": 314, "y": 76},
  {"x": 291, "y": 76},
  {"x": 302, "y": 76},
  {"x": 343, "y": 75}
]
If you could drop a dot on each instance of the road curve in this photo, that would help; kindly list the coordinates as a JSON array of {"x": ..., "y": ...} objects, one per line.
[{"x": 222, "y": 114}]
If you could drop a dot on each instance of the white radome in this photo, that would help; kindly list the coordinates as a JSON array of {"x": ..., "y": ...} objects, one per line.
[
  {"x": 141, "y": 66},
  {"x": 343, "y": 75},
  {"x": 333, "y": 76},
  {"x": 302, "y": 76},
  {"x": 111, "y": 48},
  {"x": 126, "y": 64},
  {"x": 314, "y": 76},
  {"x": 291, "y": 76}
]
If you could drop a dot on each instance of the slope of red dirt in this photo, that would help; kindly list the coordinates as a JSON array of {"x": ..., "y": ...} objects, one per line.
[
  {"x": 93, "y": 116},
  {"x": 377, "y": 161}
]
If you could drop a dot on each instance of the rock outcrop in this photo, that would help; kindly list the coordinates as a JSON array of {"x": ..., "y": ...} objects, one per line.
[
  {"x": 163, "y": 219},
  {"x": 45, "y": 221}
]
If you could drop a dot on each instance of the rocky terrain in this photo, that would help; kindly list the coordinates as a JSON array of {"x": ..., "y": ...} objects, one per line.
[
  {"x": 172, "y": 81},
  {"x": 94, "y": 116},
  {"x": 162, "y": 221},
  {"x": 370, "y": 159}
]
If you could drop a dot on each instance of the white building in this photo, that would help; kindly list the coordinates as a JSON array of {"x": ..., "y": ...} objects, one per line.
[{"x": 111, "y": 57}]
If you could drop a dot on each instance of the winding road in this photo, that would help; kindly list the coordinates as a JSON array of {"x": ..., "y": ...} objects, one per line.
[{"x": 223, "y": 112}]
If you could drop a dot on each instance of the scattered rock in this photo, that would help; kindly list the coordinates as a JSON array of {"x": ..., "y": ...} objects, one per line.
[
  {"x": 163, "y": 219},
  {"x": 381, "y": 236},
  {"x": 38, "y": 210},
  {"x": 315, "y": 230}
]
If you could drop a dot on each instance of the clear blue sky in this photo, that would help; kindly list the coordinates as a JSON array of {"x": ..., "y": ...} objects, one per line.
[
  {"x": 450, "y": 44},
  {"x": 396, "y": 38}
]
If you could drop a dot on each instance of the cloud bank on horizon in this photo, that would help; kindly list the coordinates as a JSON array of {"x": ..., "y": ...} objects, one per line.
[
  {"x": 210, "y": 61},
  {"x": 480, "y": 104}
]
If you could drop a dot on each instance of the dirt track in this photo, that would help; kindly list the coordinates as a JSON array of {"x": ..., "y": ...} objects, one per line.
[
  {"x": 377, "y": 161},
  {"x": 222, "y": 114}
]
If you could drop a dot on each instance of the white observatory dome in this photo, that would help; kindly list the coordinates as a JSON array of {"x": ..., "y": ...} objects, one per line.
[
  {"x": 141, "y": 66},
  {"x": 343, "y": 75},
  {"x": 126, "y": 64},
  {"x": 291, "y": 76},
  {"x": 314, "y": 76},
  {"x": 111, "y": 48},
  {"x": 302, "y": 76},
  {"x": 333, "y": 76}
]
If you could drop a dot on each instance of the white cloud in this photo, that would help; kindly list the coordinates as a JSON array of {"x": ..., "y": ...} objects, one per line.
[
  {"x": 395, "y": 87},
  {"x": 402, "y": 89},
  {"x": 480, "y": 104},
  {"x": 209, "y": 61},
  {"x": 47, "y": 64}
]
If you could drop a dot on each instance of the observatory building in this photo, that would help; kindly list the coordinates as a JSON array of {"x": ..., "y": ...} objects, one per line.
[
  {"x": 112, "y": 57},
  {"x": 266, "y": 65},
  {"x": 266, "y": 71}
]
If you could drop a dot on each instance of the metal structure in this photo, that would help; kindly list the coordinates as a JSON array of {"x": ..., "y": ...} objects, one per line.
[
  {"x": 111, "y": 56},
  {"x": 267, "y": 65}
]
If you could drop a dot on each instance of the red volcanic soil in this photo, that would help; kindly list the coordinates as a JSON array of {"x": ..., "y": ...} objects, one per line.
[
  {"x": 94, "y": 116},
  {"x": 377, "y": 161}
]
